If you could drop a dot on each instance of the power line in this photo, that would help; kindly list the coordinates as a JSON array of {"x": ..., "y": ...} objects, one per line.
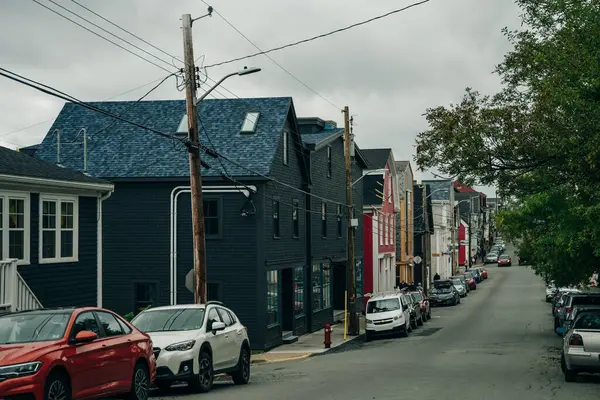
[
  {"x": 81, "y": 103},
  {"x": 102, "y": 37},
  {"x": 270, "y": 58},
  {"x": 321, "y": 35}
]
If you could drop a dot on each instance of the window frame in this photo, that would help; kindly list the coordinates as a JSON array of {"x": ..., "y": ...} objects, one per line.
[
  {"x": 285, "y": 140},
  {"x": 323, "y": 220},
  {"x": 340, "y": 228},
  {"x": 276, "y": 221},
  {"x": 296, "y": 222},
  {"x": 98, "y": 313},
  {"x": 329, "y": 162},
  {"x": 5, "y": 229},
  {"x": 273, "y": 272},
  {"x": 253, "y": 127},
  {"x": 58, "y": 199},
  {"x": 219, "y": 200},
  {"x": 303, "y": 294},
  {"x": 316, "y": 271},
  {"x": 135, "y": 291}
]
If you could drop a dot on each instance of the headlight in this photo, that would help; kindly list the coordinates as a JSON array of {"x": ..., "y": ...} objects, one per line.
[
  {"x": 397, "y": 317},
  {"x": 17, "y": 370},
  {"x": 181, "y": 346},
  {"x": 369, "y": 321}
]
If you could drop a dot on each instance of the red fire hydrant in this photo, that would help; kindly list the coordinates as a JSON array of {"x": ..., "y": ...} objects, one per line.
[{"x": 327, "y": 340}]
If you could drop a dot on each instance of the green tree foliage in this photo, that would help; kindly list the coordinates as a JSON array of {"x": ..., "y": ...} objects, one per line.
[{"x": 538, "y": 139}]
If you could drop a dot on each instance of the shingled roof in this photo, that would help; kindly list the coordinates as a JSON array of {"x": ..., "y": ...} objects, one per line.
[
  {"x": 14, "y": 163},
  {"x": 120, "y": 150},
  {"x": 377, "y": 158}
]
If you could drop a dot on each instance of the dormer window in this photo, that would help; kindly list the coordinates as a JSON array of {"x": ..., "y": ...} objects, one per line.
[
  {"x": 249, "y": 124},
  {"x": 182, "y": 129}
]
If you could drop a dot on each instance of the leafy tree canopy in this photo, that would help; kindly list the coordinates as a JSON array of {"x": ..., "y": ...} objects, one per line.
[{"x": 538, "y": 139}]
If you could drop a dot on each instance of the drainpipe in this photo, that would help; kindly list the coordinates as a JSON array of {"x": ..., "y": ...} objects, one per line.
[
  {"x": 173, "y": 240},
  {"x": 99, "y": 248}
]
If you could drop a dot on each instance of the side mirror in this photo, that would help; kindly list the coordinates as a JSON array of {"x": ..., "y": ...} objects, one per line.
[
  {"x": 405, "y": 307},
  {"x": 218, "y": 326},
  {"x": 85, "y": 337},
  {"x": 560, "y": 330}
]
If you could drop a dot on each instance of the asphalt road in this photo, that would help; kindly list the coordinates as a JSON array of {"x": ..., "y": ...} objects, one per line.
[{"x": 497, "y": 344}]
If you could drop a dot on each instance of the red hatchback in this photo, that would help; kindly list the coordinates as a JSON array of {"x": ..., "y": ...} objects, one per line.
[{"x": 72, "y": 353}]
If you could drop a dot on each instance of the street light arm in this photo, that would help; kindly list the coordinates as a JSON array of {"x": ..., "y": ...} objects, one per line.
[{"x": 214, "y": 87}]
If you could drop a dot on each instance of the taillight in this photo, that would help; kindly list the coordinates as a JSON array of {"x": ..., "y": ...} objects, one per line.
[
  {"x": 569, "y": 309},
  {"x": 558, "y": 309},
  {"x": 575, "y": 340}
]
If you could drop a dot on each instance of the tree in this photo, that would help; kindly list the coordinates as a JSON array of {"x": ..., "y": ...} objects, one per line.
[{"x": 538, "y": 139}]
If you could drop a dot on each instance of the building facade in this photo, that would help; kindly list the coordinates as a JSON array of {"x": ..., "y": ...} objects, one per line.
[
  {"x": 443, "y": 248},
  {"x": 405, "y": 218}
]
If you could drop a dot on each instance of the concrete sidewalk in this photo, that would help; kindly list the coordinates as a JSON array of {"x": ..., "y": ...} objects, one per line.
[{"x": 308, "y": 345}]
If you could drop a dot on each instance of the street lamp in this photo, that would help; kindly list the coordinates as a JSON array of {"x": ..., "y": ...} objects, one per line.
[{"x": 242, "y": 72}]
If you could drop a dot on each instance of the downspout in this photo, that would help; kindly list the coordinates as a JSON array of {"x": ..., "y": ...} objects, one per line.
[
  {"x": 173, "y": 243},
  {"x": 99, "y": 248}
]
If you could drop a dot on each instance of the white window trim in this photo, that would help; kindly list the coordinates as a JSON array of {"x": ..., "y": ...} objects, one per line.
[
  {"x": 6, "y": 195},
  {"x": 285, "y": 155},
  {"x": 58, "y": 199},
  {"x": 380, "y": 228}
]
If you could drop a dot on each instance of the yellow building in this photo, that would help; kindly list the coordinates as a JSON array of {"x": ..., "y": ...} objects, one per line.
[{"x": 406, "y": 214}]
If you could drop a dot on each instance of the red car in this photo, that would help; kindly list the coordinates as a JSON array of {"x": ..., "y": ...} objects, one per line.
[
  {"x": 484, "y": 273},
  {"x": 73, "y": 353},
  {"x": 504, "y": 260},
  {"x": 470, "y": 278},
  {"x": 423, "y": 304}
]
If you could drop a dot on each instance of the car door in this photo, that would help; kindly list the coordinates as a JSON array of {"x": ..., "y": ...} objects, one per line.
[
  {"x": 86, "y": 362},
  {"x": 120, "y": 357},
  {"x": 232, "y": 350},
  {"x": 217, "y": 340}
]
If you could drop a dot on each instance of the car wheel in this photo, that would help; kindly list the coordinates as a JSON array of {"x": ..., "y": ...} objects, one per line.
[
  {"x": 429, "y": 315},
  {"x": 570, "y": 375},
  {"x": 420, "y": 320},
  {"x": 140, "y": 384},
  {"x": 424, "y": 318},
  {"x": 459, "y": 300},
  {"x": 204, "y": 380},
  {"x": 406, "y": 330},
  {"x": 414, "y": 323},
  {"x": 242, "y": 375},
  {"x": 408, "y": 327},
  {"x": 57, "y": 387}
]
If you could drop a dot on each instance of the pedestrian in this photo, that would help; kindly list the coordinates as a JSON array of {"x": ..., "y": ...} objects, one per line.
[{"x": 436, "y": 277}]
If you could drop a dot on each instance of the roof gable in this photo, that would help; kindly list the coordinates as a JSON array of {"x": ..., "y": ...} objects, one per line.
[
  {"x": 119, "y": 150},
  {"x": 440, "y": 190},
  {"x": 377, "y": 158}
]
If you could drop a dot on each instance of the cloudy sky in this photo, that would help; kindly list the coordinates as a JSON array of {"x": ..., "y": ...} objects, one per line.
[{"x": 388, "y": 72}]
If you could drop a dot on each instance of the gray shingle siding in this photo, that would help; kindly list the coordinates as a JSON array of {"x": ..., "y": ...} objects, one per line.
[{"x": 71, "y": 283}]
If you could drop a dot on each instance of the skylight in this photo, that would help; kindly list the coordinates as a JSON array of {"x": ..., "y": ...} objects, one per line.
[
  {"x": 183, "y": 125},
  {"x": 249, "y": 124}
]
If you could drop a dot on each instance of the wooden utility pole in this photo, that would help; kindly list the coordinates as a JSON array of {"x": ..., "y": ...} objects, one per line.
[
  {"x": 195, "y": 174},
  {"x": 353, "y": 328}
]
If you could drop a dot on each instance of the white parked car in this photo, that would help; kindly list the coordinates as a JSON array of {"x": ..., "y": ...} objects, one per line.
[
  {"x": 581, "y": 346},
  {"x": 194, "y": 342},
  {"x": 387, "y": 313}
]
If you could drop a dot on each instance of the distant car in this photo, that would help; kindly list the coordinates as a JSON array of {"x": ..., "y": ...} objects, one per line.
[
  {"x": 72, "y": 353},
  {"x": 522, "y": 260},
  {"x": 550, "y": 292},
  {"x": 491, "y": 258},
  {"x": 463, "y": 279},
  {"x": 415, "y": 310},
  {"x": 581, "y": 346},
  {"x": 444, "y": 294},
  {"x": 423, "y": 301},
  {"x": 476, "y": 274},
  {"x": 460, "y": 286},
  {"x": 504, "y": 260},
  {"x": 387, "y": 313},
  {"x": 484, "y": 273},
  {"x": 470, "y": 278},
  {"x": 570, "y": 300}
]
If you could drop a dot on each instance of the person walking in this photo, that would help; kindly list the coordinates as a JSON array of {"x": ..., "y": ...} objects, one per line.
[{"x": 436, "y": 277}]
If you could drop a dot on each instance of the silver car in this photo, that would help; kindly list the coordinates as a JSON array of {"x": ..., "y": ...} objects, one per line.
[
  {"x": 581, "y": 346},
  {"x": 460, "y": 286},
  {"x": 491, "y": 258}
]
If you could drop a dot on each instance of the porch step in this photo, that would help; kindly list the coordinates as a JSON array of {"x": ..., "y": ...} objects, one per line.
[
  {"x": 290, "y": 339},
  {"x": 287, "y": 334}
]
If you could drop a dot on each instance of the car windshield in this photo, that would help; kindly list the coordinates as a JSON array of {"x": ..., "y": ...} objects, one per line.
[
  {"x": 33, "y": 327},
  {"x": 457, "y": 282},
  {"x": 490, "y": 255},
  {"x": 417, "y": 296},
  {"x": 383, "y": 305},
  {"x": 504, "y": 257},
  {"x": 441, "y": 290},
  {"x": 591, "y": 300},
  {"x": 588, "y": 321},
  {"x": 169, "y": 320}
]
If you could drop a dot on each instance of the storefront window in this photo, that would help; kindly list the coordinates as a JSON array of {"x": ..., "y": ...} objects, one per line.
[
  {"x": 326, "y": 286},
  {"x": 272, "y": 298},
  {"x": 317, "y": 284},
  {"x": 299, "y": 291}
]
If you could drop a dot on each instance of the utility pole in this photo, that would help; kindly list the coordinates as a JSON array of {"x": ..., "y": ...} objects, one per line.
[
  {"x": 195, "y": 174},
  {"x": 424, "y": 249},
  {"x": 353, "y": 328}
]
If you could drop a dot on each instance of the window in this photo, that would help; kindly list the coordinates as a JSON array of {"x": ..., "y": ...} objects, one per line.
[
  {"x": 384, "y": 228},
  {"x": 390, "y": 240},
  {"x": 272, "y": 298},
  {"x": 276, "y": 231},
  {"x": 326, "y": 286},
  {"x": 225, "y": 316},
  {"x": 58, "y": 229},
  {"x": 323, "y": 219},
  {"x": 14, "y": 226},
  {"x": 213, "y": 317},
  {"x": 298, "y": 291},
  {"x": 380, "y": 228},
  {"x": 329, "y": 163},
  {"x": 285, "y": 136},
  {"x": 295, "y": 218},
  {"x": 317, "y": 285},
  {"x": 213, "y": 291},
  {"x": 212, "y": 220},
  {"x": 145, "y": 294},
  {"x": 250, "y": 121},
  {"x": 339, "y": 220},
  {"x": 85, "y": 322},
  {"x": 110, "y": 324},
  {"x": 182, "y": 129}
]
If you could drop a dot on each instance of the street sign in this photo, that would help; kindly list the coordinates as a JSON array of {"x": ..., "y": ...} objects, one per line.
[
  {"x": 435, "y": 255},
  {"x": 417, "y": 260},
  {"x": 190, "y": 282}
]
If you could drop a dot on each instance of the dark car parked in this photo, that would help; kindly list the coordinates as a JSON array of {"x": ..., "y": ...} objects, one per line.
[
  {"x": 444, "y": 294},
  {"x": 416, "y": 317},
  {"x": 571, "y": 300}
]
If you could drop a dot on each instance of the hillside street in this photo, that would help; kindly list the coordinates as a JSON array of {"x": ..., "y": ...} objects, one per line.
[{"x": 497, "y": 344}]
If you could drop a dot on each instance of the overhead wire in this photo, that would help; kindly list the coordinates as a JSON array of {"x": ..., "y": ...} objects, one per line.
[{"x": 296, "y": 43}]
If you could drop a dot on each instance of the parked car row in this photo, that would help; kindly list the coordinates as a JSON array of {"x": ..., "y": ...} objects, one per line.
[
  {"x": 403, "y": 310},
  {"x": 71, "y": 353},
  {"x": 496, "y": 253},
  {"x": 577, "y": 319}
]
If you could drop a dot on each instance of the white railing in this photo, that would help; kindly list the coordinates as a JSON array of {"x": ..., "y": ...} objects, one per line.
[{"x": 15, "y": 294}]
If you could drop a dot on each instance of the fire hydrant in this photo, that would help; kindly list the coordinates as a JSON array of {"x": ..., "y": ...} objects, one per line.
[{"x": 327, "y": 340}]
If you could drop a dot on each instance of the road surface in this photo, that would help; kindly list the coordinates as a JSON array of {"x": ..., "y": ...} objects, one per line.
[{"x": 497, "y": 344}]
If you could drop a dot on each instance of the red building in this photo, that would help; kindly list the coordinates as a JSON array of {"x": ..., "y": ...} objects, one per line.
[{"x": 379, "y": 219}]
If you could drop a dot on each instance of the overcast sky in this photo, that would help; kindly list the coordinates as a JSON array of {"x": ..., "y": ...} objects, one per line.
[{"x": 387, "y": 72}]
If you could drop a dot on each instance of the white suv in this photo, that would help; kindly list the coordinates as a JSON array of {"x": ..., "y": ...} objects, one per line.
[
  {"x": 194, "y": 342},
  {"x": 387, "y": 313}
]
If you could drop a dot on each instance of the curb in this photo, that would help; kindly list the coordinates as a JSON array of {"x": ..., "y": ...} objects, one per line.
[
  {"x": 355, "y": 341},
  {"x": 265, "y": 361}
]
